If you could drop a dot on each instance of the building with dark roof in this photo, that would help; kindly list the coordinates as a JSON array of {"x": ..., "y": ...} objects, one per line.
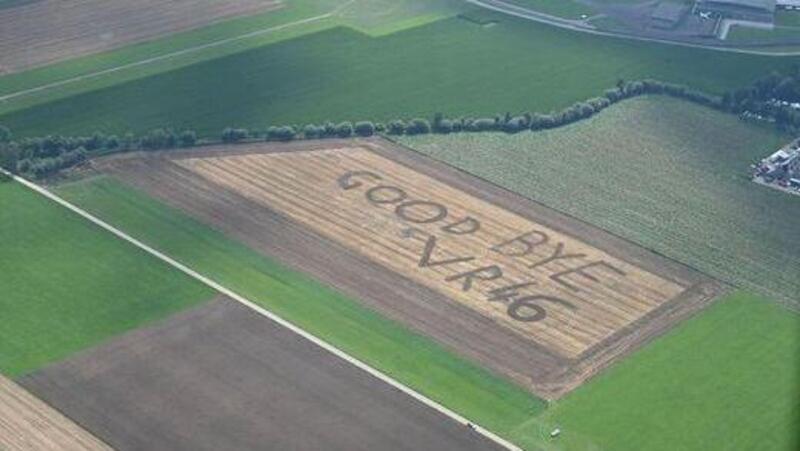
[{"x": 667, "y": 15}]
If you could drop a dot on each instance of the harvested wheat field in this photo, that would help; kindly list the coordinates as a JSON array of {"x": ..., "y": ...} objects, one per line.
[
  {"x": 37, "y": 33},
  {"x": 27, "y": 424},
  {"x": 528, "y": 292}
]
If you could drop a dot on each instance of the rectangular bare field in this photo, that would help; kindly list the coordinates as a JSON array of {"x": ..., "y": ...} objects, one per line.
[
  {"x": 451, "y": 242},
  {"x": 46, "y": 31},
  {"x": 27, "y": 424},
  {"x": 222, "y": 377},
  {"x": 526, "y": 291}
]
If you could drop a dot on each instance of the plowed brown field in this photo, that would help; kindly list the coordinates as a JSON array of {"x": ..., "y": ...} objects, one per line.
[
  {"x": 46, "y": 31},
  {"x": 517, "y": 286}
]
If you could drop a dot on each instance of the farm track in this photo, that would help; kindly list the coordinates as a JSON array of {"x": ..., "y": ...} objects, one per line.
[{"x": 468, "y": 328}]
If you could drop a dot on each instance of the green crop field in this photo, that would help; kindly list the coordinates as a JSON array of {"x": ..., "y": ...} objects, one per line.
[
  {"x": 341, "y": 74},
  {"x": 66, "y": 285},
  {"x": 414, "y": 360},
  {"x": 727, "y": 379},
  {"x": 667, "y": 174}
]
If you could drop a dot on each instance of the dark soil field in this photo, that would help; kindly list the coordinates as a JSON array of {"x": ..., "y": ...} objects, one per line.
[
  {"x": 222, "y": 377},
  {"x": 526, "y": 352}
]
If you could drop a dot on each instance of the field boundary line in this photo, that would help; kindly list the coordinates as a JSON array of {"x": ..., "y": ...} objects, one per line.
[
  {"x": 166, "y": 56},
  {"x": 263, "y": 312}
]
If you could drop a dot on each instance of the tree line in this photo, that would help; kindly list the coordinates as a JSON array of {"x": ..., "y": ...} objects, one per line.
[
  {"x": 774, "y": 97},
  {"x": 42, "y": 157}
]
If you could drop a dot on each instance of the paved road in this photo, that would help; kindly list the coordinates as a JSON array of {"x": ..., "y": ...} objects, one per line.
[
  {"x": 221, "y": 377},
  {"x": 581, "y": 26}
]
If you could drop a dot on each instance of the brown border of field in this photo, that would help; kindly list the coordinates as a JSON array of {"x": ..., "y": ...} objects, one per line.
[
  {"x": 27, "y": 424},
  {"x": 47, "y": 31},
  {"x": 458, "y": 327}
]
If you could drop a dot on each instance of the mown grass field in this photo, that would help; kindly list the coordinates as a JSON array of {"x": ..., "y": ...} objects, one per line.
[
  {"x": 666, "y": 174},
  {"x": 414, "y": 360},
  {"x": 66, "y": 285},
  {"x": 727, "y": 379},
  {"x": 341, "y": 74}
]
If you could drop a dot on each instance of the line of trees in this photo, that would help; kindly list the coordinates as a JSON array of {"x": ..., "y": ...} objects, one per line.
[
  {"x": 42, "y": 157},
  {"x": 501, "y": 122}
]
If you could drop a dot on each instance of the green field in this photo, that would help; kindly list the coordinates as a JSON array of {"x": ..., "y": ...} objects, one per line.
[
  {"x": 745, "y": 35},
  {"x": 66, "y": 285},
  {"x": 787, "y": 18},
  {"x": 295, "y": 18},
  {"x": 341, "y": 73},
  {"x": 726, "y": 380},
  {"x": 667, "y": 174},
  {"x": 416, "y": 361}
]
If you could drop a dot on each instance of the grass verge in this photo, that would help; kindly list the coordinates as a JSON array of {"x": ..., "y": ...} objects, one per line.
[{"x": 65, "y": 285}]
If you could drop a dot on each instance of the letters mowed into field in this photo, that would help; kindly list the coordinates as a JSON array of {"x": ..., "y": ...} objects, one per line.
[
  {"x": 65, "y": 287},
  {"x": 533, "y": 295},
  {"x": 537, "y": 281}
]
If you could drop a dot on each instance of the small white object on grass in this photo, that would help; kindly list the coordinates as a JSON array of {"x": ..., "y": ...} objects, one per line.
[{"x": 555, "y": 433}]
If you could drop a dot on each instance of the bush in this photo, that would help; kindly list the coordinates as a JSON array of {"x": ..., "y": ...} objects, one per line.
[
  {"x": 188, "y": 138},
  {"x": 312, "y": 131},
  {"x": 397, "y": 127},
  {"x": 483, "y": 124},
  {"x": 365, "y": 128},
  {"x": 418, "y": 126},
  {"x": 445, "y": 126},
  {"x": 329, "y": 129},
  {"x": 234, "y": 135},
  {"x": 284, "y": 133},
  {"x": 344, "y": 129}
]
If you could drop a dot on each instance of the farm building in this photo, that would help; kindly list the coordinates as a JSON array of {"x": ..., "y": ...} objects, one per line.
[
  {"x": 753, "y": 10},
  {"x": 783, "y": 164},
  {"x": 667, "y": 15}
]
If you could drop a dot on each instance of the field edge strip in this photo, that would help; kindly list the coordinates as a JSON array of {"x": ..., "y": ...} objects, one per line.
[{"x": 263, "y": 312}]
